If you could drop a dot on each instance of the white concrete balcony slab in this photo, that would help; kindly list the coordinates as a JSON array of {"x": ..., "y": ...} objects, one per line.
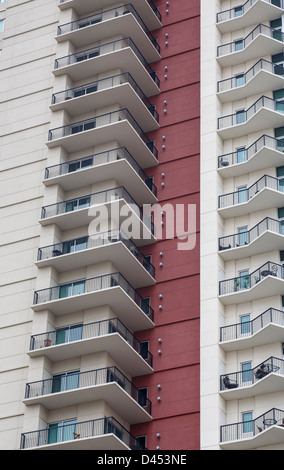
[
  {"x": 260, "y": 42},
  {"x": 251, "y": 12}
]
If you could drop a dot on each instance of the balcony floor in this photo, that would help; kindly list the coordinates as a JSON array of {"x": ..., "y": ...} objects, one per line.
[
  {"x": 269, "y": 334},
  {"x": 267, "y": 287},
  {"x": 270, "y": 436},
  {"x": 103, "y": 442},
  {"x": 272, "y": 383},
  {"x": 264, "y": 243}
]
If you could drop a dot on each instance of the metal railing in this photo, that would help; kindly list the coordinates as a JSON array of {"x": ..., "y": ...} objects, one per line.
[
  {"x": 247, "y": 329},
  {"x": 245, "y": 238},
  {"x": 79, "y": 332},
  {"x": 235, "y": 158},
  {"x": 242, "y": 44},
  {"x": 249, "y": 377},
  {"x": 242, "y": 283},
  {"x": 235, "y": 82},
  {"x": 106, "y": 48},
  {"x": 103, "y": 84},
  {"x": 244, "y": 195},
  {"x": 77, "y": 380},
  {"x": 226, "y": 15},
  {"x": 94, "y": 284},
  {"x": 104, "y": 16},
  {"x": 249, "y": 429},
  {"x": 80, "y": 430},
  {"x": 243, "y": 116},
  {"x": 94, "y": 241}
]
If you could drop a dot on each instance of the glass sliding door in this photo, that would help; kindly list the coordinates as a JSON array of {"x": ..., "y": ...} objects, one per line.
[{"x": 61, "y": 431}]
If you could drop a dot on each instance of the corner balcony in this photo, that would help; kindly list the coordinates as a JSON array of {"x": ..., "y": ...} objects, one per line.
[
  {"x": 263, "y": 76},
  {"x": 264, "y": 152},
  {"x": 263, "y": 237},
  {"x": 266, "y": 193},
  {"x": 266, "y": 328},
  {"x": 117, "y": 125},
  {"x": 266, "y": 281},
  {"x": 97, "y": 434},
  {"x": 264, "y": 113},
  {"x": 108, "y": 24},
  {"x": 265, "y": 430},
  {"x": 108, "y": 384},
  {"x": 121, "y": 54},
  {"x": 109, "y": 289},
  {"x": 109, "y": 335},
  {"x": 251, "y": 12},
  {"x": 120, "y": 89},
  {"x": 145, "y": 8},
  {"x": 113, "y": 245},
  {"x": 266, "y": 377},
  {"x": 260, "y": 42}
]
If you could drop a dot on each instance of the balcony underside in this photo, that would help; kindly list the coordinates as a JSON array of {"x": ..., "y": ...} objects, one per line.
[
  {"x": 266, "y": 199},
  {"x": 269, "y": 334},
  {"x": 116, "y": 346},
  {"x": 124, "y": 60},
  {"x": 261, "y": 46},
  {"x": 263, "y": 119},
  {"x": 258, "y": 13},
  {"x": 103, "y": 442},
  {"x": 82, "y": 37},
  {"x": 120, "y": 131},
  {"x": 267, "y": 287},
  {"x": 123, "y": 95},
  {"x": 273, "y": 383},
  {"x": 264, "y": 243},
  {"x": 261, "y": 82},
  {"x": 115, "y": 297},
  {"x": 269, "y": 436},
  {"x": 121, "y": 257},
  {"x": 264, "y": 158}
]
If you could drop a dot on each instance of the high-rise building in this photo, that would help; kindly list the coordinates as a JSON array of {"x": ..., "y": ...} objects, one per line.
[{"x": 100, "y": 307}]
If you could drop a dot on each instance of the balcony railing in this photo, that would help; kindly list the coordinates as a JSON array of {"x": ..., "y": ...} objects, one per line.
[
  {"x": 234, "y": 46},
  {"x": 240, "y": 11},
  {"x": 80, "y": 430},
  {"x": 242, "y": 117},
  {"x": 78, "y": 380},
  {"x": 106, "y": 49},
  {"x": 238, "y": 157},
  {"x": 101, "y": 121},
  {"x": 242, "y": 79},
  {"x": 248, "y": 329},
  {"x": 103, "y": 84},
  {"x": 249, "y": 429},
  {"x": 245, "y": 238},
  {"x": 104, "y": 16},
  {"x": 86, "y": 286},
  {"x": 94, "y": 241},
  {"x": 244, "y": 195},
  {"x": 87, "y": 331},
  {"x": 242, "y": 283}
]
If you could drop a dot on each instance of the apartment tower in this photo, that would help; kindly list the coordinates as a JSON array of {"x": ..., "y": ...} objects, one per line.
[{"x": 99, "y": 330}]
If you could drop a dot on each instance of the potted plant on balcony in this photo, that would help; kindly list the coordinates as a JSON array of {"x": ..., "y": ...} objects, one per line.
[{"x": 236, "y": 284}]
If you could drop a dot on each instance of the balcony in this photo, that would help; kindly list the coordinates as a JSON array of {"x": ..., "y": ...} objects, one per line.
[
  {"x": 251, "y": 12},
  {"x": 108, "y": 24},
  {"x": 117, "y": 125},
  {"x": 109, "y": 335},
  {"x": 266, "y": 281},
  {"x": 121, "y": 54},
  {"x": 266, "y": 193},
  {"x": 266, "y": 328},
  {"x": 265, "y": 430},
  {"x": 266, "y": 377},
  {"x": 113, "y": 245},
  {"x": 145, "y": 8},
  {"x": 118, "y": 89},
  {"x": 262, "y": 238},
  {"x": 97, "y": 434},
  {"x": 109, "y": 289},
  {"x": 263, "y": 76},
  {"x": 260, "y": 42},
  {"x": 100, "y": 167},
  {"x": 107, "y": 384},
  {"x": 264, "y": 152},
  {"x": 264, "y": 113}
]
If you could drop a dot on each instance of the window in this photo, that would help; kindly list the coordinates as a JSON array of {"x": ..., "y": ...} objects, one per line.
[
  {"x": 247, "y": 422},
  {"x": 278, "y": 96},
  {"x": 142, "y": 396},
  {"x": 149, "y": 182},
  {"x": 74, "y": 288},
  {"x": 66, "y": 381},
  {"x": 281, "y": 220},
  {"x": 238, "y": 11},
  {"x": 242, "y": 194},
  {"x": 246, "y": 372},
  {"x": 75, "y": 245},
  {"x": 278, "y": 61},
  {"x": 279, "y": 135},
  {"x": 245, "y": 324},
  {"x": 241, "y": 155},
  {"x": 144, "y": 349},
  {"x": 244, "y": 279},
  {"x": 239, "y": 44},
  {"x": 68, "y": 334},
  {"x": 280, "y": 176},
  {"x": 147, "y": 262},
  {"x": 76, "y": 204},
  {"x": 240, "y": 116},
  {"x": 80, "y": 164},
  {"x": 2, "y": 23},
  {"x": 145, "y": 305},
  {"x": 276, "y": 25},
  {"x": 240, "y": 79},
  {"x": 62, "y": 431},
  {"x": 140, "y": 442},
  {"x": 242, "y": 236}
]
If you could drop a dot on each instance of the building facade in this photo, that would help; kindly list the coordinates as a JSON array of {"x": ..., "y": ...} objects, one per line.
[{"x": 100, "y": 116}]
